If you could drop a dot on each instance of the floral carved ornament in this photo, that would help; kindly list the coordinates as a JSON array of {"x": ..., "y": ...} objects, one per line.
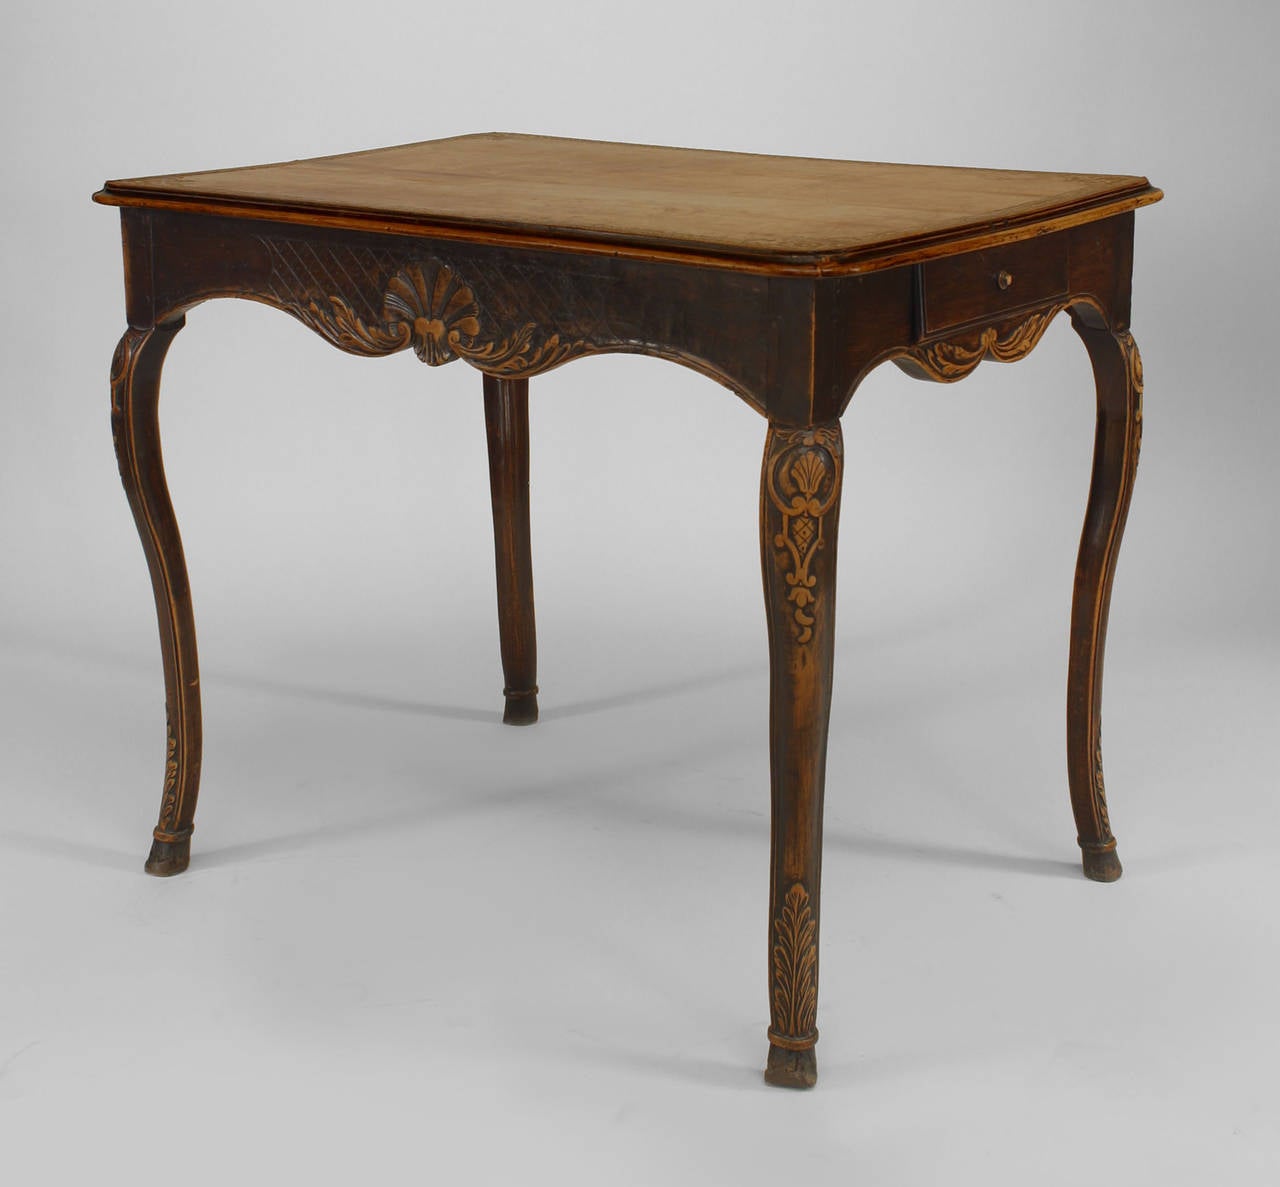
[
  {"x": 429, "y": 307},
  {"x": 802, "y": 484}
]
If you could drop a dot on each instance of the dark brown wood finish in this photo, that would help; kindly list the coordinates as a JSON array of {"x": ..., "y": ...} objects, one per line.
[
  {"x": 135, "y": 425},
  {"x": 786, "y": 297},
  {"x": 506, "y": 414},
  {"x": 1117, "y": 368},
  {"x": 800, "y": 484}
]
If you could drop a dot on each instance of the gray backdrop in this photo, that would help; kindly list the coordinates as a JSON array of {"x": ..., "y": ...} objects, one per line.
[{"x": 410, "y": 940}]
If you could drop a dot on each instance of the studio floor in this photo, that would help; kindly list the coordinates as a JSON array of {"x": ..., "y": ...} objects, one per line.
[{"x": 415, "y": 943}]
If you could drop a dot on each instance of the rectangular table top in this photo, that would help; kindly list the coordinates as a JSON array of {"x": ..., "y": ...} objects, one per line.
[{"x": 790, "y": 214}]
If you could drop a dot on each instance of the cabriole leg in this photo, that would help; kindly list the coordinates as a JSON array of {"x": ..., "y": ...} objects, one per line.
[
  {"x": 506, "y": 413},
  {"x": 799, "y": 512},
  {"x": 1117, "y": 369},
  {"x": 135, "y": 394}
]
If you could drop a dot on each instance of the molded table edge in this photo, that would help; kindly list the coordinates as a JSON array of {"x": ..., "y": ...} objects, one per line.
[{"x": 878, "y": 257}]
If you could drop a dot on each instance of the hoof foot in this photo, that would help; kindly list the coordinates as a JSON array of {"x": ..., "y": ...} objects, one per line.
[
  {"x": 169, "y": 857},
  {"x": 1102, "y": 865},
  {"x": 522, "y": 708},
  {"x": 791, "y": 1069}
]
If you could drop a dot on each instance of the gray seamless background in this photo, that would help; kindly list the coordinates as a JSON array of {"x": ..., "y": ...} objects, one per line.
[{"x": 411, "y": 941}]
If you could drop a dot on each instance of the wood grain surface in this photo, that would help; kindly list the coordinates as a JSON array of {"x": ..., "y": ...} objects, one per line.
[{"x": 817, "y": 215}]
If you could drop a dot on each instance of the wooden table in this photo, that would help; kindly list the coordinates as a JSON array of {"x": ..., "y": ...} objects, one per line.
[{"x": 785, "y": 279}]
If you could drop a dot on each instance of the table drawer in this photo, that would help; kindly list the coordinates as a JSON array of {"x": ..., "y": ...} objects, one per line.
[{"x": 980, "y": 285}]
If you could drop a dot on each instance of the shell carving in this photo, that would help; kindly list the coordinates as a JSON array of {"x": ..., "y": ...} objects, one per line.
[
  {"x": 440, "y": 311},
  {"x": 425, "y": 305},
  {"x": 802, "y": 476}
]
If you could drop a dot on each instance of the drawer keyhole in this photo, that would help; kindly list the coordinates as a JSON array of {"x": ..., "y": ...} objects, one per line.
[{"x": 1004, "y": 279}]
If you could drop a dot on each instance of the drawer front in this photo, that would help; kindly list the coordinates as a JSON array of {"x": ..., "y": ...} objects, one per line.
[{"x": 981, "y": 285}]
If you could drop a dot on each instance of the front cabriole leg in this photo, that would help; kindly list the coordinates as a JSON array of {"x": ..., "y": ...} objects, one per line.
[
  {"x": 1117, "y": 369},
  {"x": 135, "y": 393},
  {"x": 799, "y": 512}
]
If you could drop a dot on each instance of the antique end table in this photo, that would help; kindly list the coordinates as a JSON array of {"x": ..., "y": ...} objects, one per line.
[{"x": 787, "y": 280}]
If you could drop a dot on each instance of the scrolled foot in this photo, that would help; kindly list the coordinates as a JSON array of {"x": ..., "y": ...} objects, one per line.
[
  {"x": 1101, "y": 865},
  {"x": 169, "y": 857},
  {"x": 522, "y": 708},
  {"x": 791, "y": 1069}
]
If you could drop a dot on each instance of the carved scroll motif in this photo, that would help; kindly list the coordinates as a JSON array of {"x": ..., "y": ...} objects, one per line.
[
  {"x": 1133, "y": 367},
  {"x": 802, "y": 482},
  {"x": 1133, "y": 375},
  {"x": 1099, "y": 788},
  {"x": 122, "y": 363},
  {"x": 948, "y": 360},
  {"x": 425, "y": 305},
  {"x": 169, "y": 798},
  {"x": 795, "y": 969}
]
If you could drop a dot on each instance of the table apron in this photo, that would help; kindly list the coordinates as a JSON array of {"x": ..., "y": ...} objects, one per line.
[{"x": 793, "y": 348}]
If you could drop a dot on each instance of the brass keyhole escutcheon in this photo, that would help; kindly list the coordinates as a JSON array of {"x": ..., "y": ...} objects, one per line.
[{"x": 1004, "y": 279}]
